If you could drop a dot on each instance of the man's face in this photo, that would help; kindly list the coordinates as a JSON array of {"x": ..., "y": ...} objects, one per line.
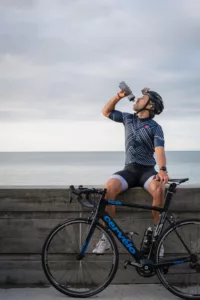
[{"x": 141, "y": 102}]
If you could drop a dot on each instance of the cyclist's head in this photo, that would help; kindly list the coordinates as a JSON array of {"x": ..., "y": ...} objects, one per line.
[{"x": 155, "y": 99}]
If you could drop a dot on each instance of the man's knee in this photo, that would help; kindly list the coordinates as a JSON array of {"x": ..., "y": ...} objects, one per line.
[
  {"x": 156, "y": 189},
  {"x": 113, "y": 187}
]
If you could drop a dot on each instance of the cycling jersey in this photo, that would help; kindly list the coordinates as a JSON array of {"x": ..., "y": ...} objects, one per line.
[{"x": 142, "y": 136}]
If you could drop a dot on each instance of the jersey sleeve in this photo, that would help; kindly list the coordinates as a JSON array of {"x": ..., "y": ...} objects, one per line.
[
  {"x": 159, "y": 137},
  {"x": 116, "y": 116}
]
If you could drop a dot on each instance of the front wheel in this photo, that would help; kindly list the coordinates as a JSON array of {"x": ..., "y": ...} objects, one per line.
[
  {"x": 180, "y": 240},
  {"x": 63, "y": 267}
]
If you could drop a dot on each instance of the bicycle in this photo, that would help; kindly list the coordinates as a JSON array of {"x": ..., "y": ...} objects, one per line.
[{"x": 72, "y": 268}]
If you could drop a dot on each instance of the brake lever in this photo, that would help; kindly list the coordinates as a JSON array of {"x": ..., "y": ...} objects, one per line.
[
  {"x": 71, "y": 189},
  {"x": 70, "y": 195}
]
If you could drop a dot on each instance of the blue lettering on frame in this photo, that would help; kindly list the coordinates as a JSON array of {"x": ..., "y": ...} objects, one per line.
[{"x": 125, "y": 241}]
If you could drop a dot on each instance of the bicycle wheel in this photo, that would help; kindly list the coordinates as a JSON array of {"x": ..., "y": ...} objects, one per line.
[
  {"x": 73, "y": 277},
  {"x": 182, "y": 278}
]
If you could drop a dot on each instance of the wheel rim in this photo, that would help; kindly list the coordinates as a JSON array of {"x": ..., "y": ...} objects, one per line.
[
  {"x": 72, "y": 276},
  {"x": 182, "y": 279}
]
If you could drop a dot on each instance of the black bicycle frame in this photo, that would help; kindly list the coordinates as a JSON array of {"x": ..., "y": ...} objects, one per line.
[{"x": 121, "y": 235}]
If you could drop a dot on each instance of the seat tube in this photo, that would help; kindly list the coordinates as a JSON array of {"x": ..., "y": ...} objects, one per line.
[{"x": 169, "y": 195}]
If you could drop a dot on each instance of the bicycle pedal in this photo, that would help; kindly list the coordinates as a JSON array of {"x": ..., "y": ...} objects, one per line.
[
  {"x": 131, "y": 263},
  {"x": 126, "y": 263}
]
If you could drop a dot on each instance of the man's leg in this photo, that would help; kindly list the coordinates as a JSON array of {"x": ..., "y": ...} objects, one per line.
[
  {"x": 157, "y": 190},
  {"x": 114, "y": 187}
]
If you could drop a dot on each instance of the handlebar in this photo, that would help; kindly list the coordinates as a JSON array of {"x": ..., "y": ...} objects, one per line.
[
  {"x": 87, "y": 201},
  {"x": 83, "y": 190}
]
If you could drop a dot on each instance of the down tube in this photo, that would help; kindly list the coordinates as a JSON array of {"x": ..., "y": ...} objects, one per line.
[{"x": 121, "y": 236}]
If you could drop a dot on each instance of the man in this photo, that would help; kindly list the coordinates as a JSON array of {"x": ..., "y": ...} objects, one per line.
[{"x": 143, "y": 137}]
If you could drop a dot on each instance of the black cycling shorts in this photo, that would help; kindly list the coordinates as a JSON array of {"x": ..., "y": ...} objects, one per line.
[{"x": 136, "y": 175}]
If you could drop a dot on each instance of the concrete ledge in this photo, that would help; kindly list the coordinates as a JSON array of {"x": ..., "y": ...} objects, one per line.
[{"x": 27, "y": 215}]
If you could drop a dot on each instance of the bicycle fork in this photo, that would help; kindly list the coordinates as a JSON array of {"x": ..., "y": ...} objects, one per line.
[{"x": 85, "y": 244}]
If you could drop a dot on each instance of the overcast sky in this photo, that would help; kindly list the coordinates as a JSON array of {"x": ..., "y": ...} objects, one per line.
[{"x": 61, "y": 61}]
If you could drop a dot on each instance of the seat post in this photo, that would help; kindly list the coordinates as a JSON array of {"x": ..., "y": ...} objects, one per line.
[{"x": 170, "y": 191}]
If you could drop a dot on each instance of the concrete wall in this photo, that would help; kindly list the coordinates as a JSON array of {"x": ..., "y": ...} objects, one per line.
[{"x": 28, "y": 214}]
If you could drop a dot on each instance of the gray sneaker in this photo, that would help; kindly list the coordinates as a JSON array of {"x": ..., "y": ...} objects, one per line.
[{"x": 102, "y": 245}]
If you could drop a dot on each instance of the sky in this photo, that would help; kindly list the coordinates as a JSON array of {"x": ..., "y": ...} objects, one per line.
[{"x": 62, "y": 60}]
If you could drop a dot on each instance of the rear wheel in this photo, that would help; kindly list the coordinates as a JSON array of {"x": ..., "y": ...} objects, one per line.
[
  {"x": 182, "y": 279},
  {"x": 78, "y": 277}
]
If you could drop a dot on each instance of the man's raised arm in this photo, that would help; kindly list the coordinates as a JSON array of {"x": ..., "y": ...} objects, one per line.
[{"x": 110, "y": 105}]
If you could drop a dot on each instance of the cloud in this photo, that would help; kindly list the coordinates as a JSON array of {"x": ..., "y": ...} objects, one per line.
[{"x": 62, "y": 60}]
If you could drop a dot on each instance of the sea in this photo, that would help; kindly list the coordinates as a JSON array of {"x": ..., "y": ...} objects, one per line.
[{"x": 83, "y": 168}]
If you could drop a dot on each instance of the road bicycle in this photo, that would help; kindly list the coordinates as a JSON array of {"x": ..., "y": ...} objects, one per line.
[{"x": 74, "y": 270}]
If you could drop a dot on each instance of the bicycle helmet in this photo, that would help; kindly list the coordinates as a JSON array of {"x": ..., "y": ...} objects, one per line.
[{"x": 156, "y": 100}]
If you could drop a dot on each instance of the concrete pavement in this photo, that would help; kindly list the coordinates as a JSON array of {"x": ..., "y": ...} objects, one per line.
[{"x": 117, "y": 292}]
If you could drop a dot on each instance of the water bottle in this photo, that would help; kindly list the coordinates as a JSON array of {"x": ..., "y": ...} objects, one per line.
[
  {"x": 124, "y": 87},
  {"x": 147, "y": 240}
]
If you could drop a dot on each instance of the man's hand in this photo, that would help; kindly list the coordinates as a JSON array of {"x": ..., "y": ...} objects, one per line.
[
  {"x": 121, "y": 94},
  {"x": 162, "y": 176}
]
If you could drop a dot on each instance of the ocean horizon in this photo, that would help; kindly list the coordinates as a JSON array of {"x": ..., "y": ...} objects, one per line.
[{"x": 64, "y": 168}]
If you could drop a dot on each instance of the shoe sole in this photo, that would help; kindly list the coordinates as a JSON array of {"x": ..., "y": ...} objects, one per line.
[{"x": 101, "y": 253}]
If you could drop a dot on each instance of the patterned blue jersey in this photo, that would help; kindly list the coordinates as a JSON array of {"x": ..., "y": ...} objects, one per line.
[{"x": 142, "y": 136}]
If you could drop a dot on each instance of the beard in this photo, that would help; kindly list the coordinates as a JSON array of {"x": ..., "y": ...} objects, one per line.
[{"x": 136, "y": 107}]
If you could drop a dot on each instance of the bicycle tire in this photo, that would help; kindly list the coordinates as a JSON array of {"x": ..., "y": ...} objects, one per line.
[
  {"x": 179, "y": 281},
  {"x": 49, "y": 273}
]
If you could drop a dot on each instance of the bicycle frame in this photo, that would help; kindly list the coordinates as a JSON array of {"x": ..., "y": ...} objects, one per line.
[{"x": 127, "y": 243}]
